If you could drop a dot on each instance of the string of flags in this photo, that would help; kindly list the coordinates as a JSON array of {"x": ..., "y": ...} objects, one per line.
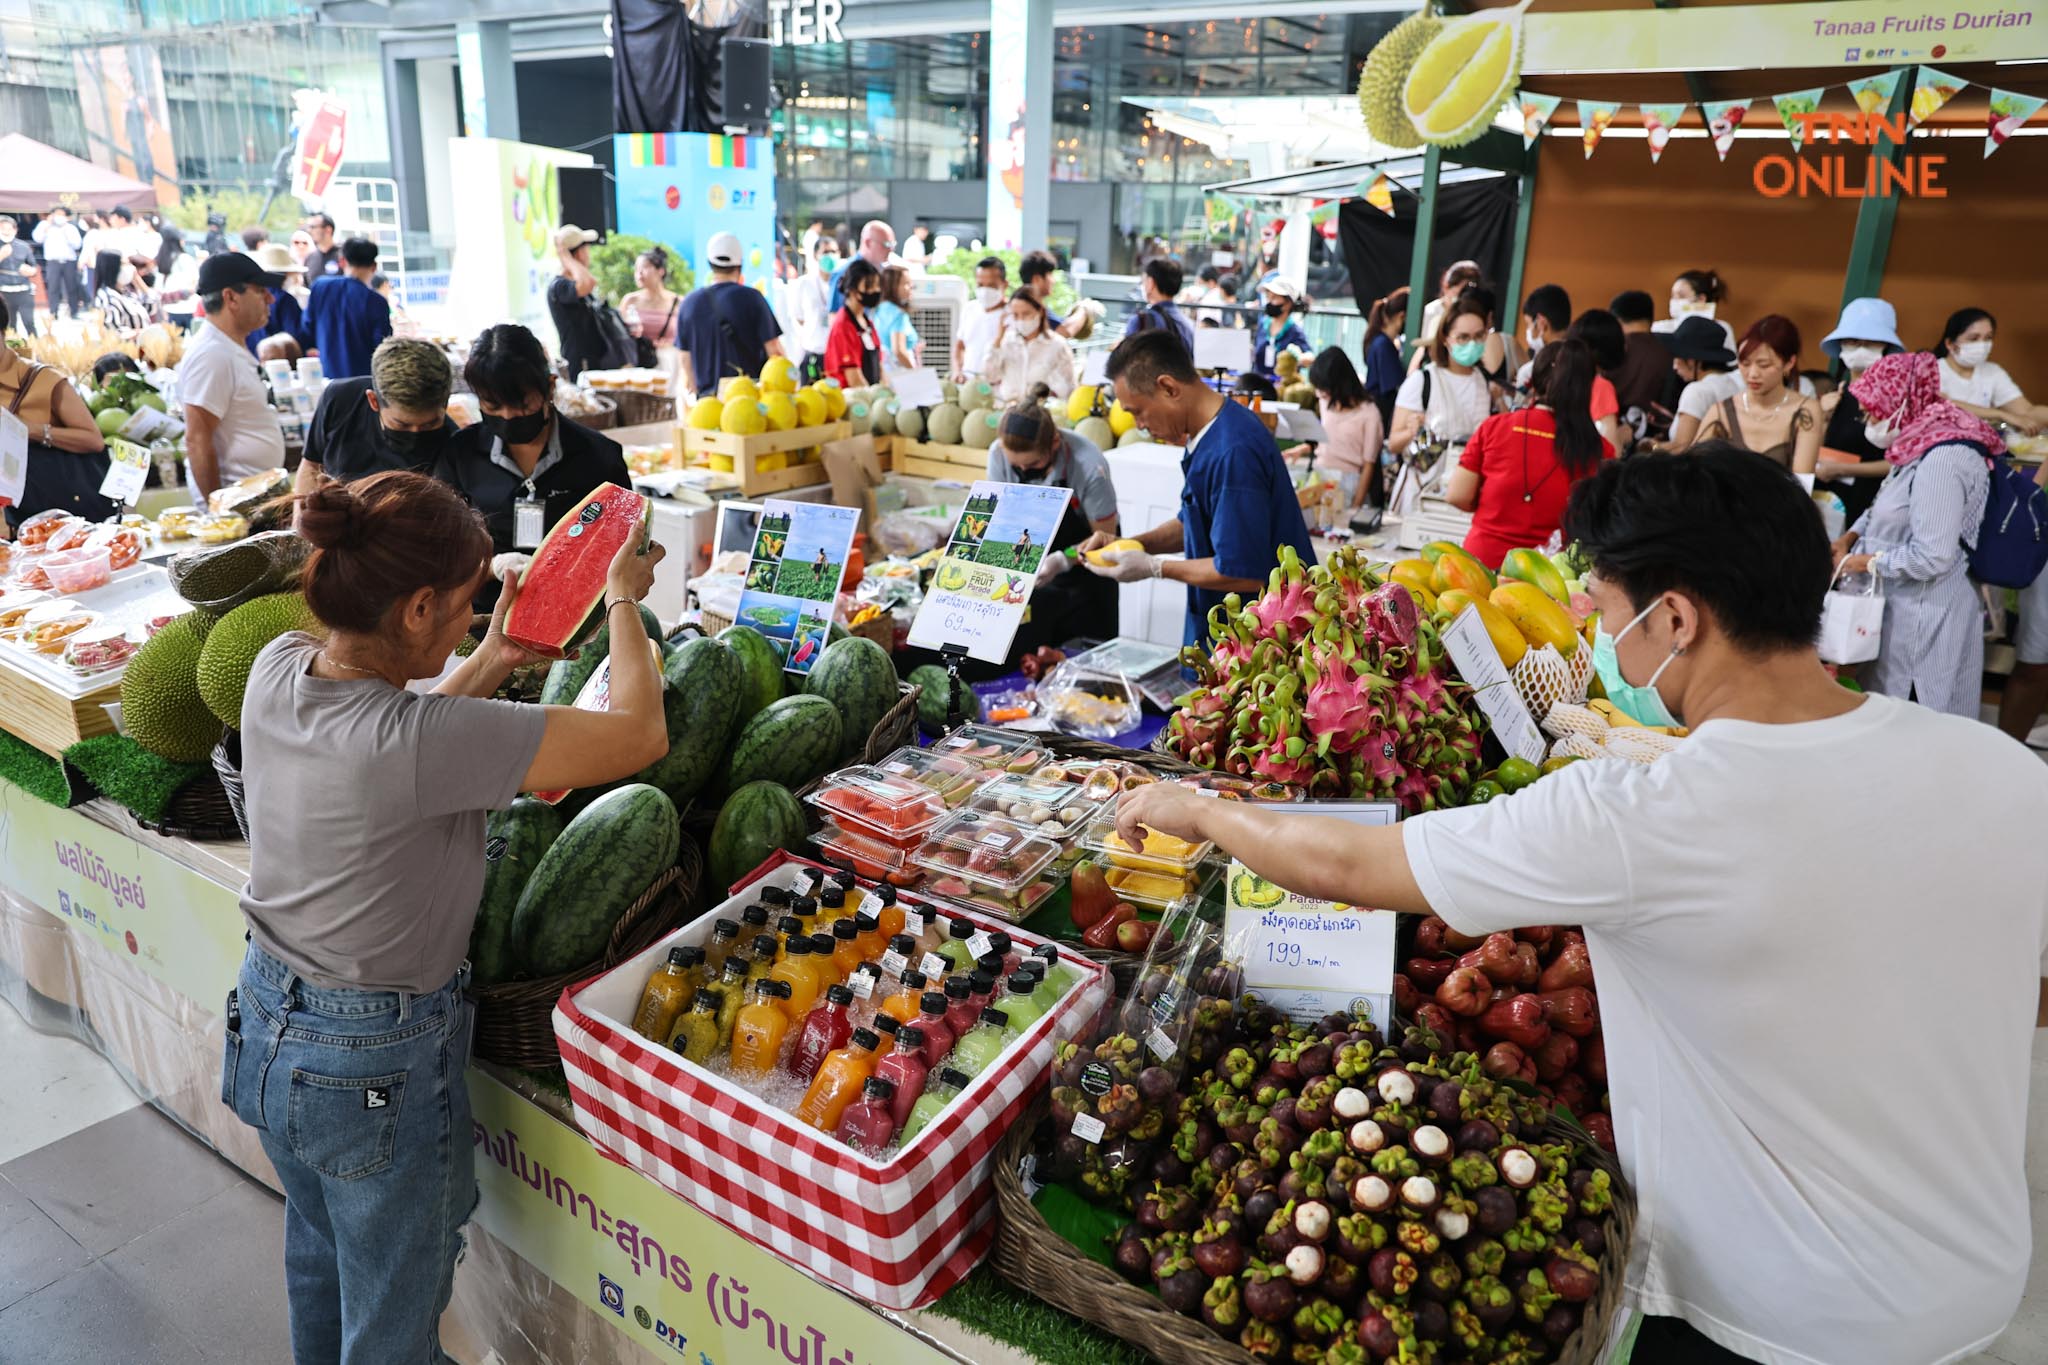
[{"x": 1932, "y": 90}]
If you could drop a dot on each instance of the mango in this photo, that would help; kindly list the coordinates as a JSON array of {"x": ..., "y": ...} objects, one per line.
[
  {"x": 1431, "y": 551},
  {"x": 1095, "y": 557},
  {"x": 1456, "y": 569},
  {"x": 1536, "y": 615},
  {"x": 1413, "y": 574},
  {"x": 1499, "y": 629},
  {"x": 1531, "y": 567}
]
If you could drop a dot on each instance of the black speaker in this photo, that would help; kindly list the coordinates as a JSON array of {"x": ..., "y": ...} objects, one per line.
[
  {"x": 585, "y": 200},
  {"x": 748, "y": 86}
]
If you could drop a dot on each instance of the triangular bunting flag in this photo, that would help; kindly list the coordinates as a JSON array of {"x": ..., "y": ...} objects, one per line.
[
  {"x": 1658, "y": 121},
  {"x": 1536, "y": 111},
  {"x": 1791, "y": 106},
  {"x": 1594, "y": 116},
  {"x": 2008, "y": 112},
  {"x": 1874, "y": 93},
  {"x": 1723, "y": 118},
  {"x": 1379, "y": 192},
  {"x": 1931, "y": 90}
]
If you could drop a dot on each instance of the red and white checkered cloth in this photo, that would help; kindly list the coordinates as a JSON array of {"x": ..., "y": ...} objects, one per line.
[{"x": 898, "y": 1234}]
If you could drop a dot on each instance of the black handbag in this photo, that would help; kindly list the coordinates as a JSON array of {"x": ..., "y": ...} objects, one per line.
[
  {"x": 643, "y": 345},
  {"x": 58, "y": 478}
]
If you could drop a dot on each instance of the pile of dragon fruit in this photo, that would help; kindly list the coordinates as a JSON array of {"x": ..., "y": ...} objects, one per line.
[{"x": 1333, "y": 681}]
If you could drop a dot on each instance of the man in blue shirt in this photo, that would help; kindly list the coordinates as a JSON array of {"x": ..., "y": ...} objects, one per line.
[
  {"x": 725, "y": 328},
  {"x": 1237, "y": 505},
  {"x": 877, "y": 247},
  {"x": 1159, "y": 285},
  {"x": 346, "y": 317}
]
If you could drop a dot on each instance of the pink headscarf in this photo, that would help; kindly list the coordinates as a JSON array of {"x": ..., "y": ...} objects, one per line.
[{"x": 1905, "y": 388}]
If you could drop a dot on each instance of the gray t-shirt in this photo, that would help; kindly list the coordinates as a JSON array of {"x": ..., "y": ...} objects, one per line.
[
  {"x": 1080, "y": 467},
  {"x": 366, "y": 818}
]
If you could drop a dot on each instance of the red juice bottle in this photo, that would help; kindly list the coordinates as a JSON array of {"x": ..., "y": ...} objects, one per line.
[
  {"x": 961, "y": 1011},
  {"x": 905, "y": 1069},
  {"x": 931, "y": 1022},
  {"x": 869, "y": 1123},
  {"x": 826, "y": 1029}
]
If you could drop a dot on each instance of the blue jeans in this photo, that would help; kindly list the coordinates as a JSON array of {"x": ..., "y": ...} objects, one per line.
[{"x": 359, "y": 1099}]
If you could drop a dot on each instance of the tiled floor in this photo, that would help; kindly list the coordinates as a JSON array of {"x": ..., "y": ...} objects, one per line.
[{"x": 123, "y": 1240}]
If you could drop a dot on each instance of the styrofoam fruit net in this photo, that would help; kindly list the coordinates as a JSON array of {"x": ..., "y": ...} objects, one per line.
[
  {"x": 1578, "y": 746},
  {"x": 1568, "y": 718},
  {"x": 1544, "y": 677},
  {"x": 1639, "y": 746}
]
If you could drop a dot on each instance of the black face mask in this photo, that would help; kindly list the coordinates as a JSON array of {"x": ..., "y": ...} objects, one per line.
[
  {"x": 516, "y": 431},
  {"x": 1274, "y": 310},
  {"x": 870, "y": 302},
  {"x": 416, "y": 447}
]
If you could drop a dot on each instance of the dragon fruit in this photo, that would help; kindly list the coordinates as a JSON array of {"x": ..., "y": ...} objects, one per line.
[{"x": 1287, "y": 609}]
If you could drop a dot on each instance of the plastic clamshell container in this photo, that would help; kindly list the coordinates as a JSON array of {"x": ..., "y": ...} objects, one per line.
[
  {"x": 97, "y": 649},
  {"x": 870, "y": 858},
  {"x": 1059, "y": 810},
  {"x": 883, "y": 801},
  {"x": 953, "y": 778},
  {"x": 988, "y": 851},
  {"x": 1162, "y": 853},
  {"x": 1157, "y": 890},
  {"x": 1241, "y": 789},
  {"x": 993, "y": 747},
  {"x": 79, "y": 570}
]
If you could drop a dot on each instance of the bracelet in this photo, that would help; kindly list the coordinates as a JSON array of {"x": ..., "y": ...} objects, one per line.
[{"x": 616, "y": 602}]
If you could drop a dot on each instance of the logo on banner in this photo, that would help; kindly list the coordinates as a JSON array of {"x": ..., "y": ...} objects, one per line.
[
  {"x": 672, "y": 197},
  {"x": 323, "y": 133},
  {"x": 611, "y": 1295},
  {"x": 672, "y": 1335}
]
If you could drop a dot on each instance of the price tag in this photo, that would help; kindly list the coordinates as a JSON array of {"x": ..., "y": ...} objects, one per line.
[
  {"x": 529, "y": 523},
  {"x": 933, "y": 967},
  {"x": 13, "y": 457},
  {"x": 1162, "y": 1046},
  {"x": 1207, "y": 791},
  {"x": 1480, "y": 665},
  {"x": 893, "y": 963},
  {"x": 801, "y": 885},
  {"x": 862, "y": 984},
  {"x": 872, "y": 904},
  {"x": 127, "y": 470},
  {"x": 1088, "y": 1128},
  {"x": 898, "y": 767},
  {"x": 147, "y": 424},
  {"x": 980, "y": 944}
]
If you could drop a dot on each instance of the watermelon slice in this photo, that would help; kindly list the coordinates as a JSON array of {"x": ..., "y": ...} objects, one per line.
[{"x": 568, "y": 573}]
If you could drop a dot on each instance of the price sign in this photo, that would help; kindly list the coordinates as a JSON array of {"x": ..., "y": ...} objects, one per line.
[
  {"x": 13, "y": 458},
  {"x": 127, "y": 470},
  {"x": 1480, "y": 665}
]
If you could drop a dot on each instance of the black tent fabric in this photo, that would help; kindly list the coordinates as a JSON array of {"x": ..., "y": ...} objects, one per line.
[
  {"x": 666, "y": 70},
  {"x": 1474, "y": 221}
]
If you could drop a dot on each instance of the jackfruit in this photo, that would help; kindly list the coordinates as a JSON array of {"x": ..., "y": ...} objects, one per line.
[
  {"x": 945, "y": 423},
  {"x": 235, "y": 641},
  {"x": 1464, "y": 76},
  {"x": 161, "y": 708},
  {"x": 1386, "y": 73},
  {"x": 910, "y": 422}
]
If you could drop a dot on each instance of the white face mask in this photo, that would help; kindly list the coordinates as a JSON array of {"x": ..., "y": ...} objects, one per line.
[
  {"x": 1973, "y": 353},
  {"x": 1860, "y": 358},
  {"x": 1535, "y": 341},
  {"x": 1027, "y": 327},
  {"x": 1881, "y": 434},
  {"x": 988, "y": 297},
  {"x": 1681, "y": 308}
]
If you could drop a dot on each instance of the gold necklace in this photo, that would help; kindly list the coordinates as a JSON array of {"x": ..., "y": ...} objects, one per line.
[
  {"x": 336, "y": 663},
  {"x": 1775, "y": 408}
]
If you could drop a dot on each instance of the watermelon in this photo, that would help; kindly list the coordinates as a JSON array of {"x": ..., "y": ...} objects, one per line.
[
  {"x": 518, "y": 836},
  {"x": 855, "y": 675},
  {"x": 760, "y": 664},
  {"x": 603, "y": 861},
  {"x": 757, "y": 819},
  {"x": 567, "y": 576},
  {"x": 931, "y": 701},
  {"x": 567, "y": 676},
  {"x": 791, "y": 741},
  {"x": 701, "y": 696}
]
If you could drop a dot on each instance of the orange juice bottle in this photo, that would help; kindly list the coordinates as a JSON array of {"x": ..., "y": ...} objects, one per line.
[
  {"x": 831, "y": 905},
  {"x": 669, "y": 992},
  {"x": 872, "y": 943},
  {"x": 890, "y": 914},
  {"x": 758, "y": 1032},
  {"x": 787, "y": 928},
  {"x": 825, "y": 959},
  {"x": 839, "y": 1081},
  {"x": 795, "y": 968},
  {"x": 845, "y": 946},
  {"x": 904, "y": 1004}
]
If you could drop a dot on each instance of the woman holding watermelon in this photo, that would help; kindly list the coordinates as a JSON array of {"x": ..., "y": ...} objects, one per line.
[{"x": 348, "y": 1032}]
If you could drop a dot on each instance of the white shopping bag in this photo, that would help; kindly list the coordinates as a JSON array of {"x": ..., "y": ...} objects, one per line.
[{"x": 1852, "y": 620}]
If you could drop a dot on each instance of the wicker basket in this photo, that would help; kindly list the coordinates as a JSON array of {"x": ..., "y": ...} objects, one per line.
[
  {"x": 227, "y": 765},
  {"x": 605, "y": 418},
  {"x": 515, "y": 1019},
  {"x": 638, "y": 409},
  {"x": 1029, "y": 1254},
  {"x": 201, "y": 810}
]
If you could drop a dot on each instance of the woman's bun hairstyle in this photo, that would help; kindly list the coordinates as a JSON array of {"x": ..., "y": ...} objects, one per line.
[{"x": 379, "y": 540}]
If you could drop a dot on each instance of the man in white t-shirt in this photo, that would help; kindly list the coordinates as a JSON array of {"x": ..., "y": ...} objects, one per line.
[
  {"x": 1819, "y": 1051},
  {"x": 230, "y": 428},
  {"x": 982, "y": 318}
]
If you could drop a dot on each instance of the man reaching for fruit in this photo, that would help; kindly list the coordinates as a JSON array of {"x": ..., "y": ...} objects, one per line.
[{"x": 1788, "y": 1214}]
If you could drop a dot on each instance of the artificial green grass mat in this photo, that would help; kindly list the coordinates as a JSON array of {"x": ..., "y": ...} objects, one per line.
[
  {"x": 32, "y": 770},
  {"x": 995, "y": 1308},
  {"x": 131, "y": 775}
]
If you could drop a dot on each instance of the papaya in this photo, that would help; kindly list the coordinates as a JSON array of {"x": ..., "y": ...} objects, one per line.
[
  {"x": 1457, "y": 569},
  {"x": 1413, "y": 574},
  {"x": 1435, "y": 549},
  {"x": 1531, "y": 567},
  {"x": 1499, "y": 629},
  {"x": 1536, "y": 615}
]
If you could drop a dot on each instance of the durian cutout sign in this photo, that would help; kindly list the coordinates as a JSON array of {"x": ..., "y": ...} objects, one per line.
[
  {"x": 1441, "y": 80},
  {"x": 984, "y": 581}
]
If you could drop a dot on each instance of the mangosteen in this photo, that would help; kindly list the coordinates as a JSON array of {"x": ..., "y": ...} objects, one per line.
[
  {"x": 1068, "y": 1154},
  {"x": 1247, "y": 1175},
  {"x": 1358, "y": 1237},
  {"x": 1396, "y": 1123},
  {"x": 1282, "y": 1111},
  {"x": 1262, "y": 1341},
  {"x": 1182, "y": 1285},
  {"x": 1295, "y": 1184},
  {"x": 1497, "y": 1211},
  {"x": 1590, "y": 1235},
  {"x": 1336, "y": 1021},
  {"x": 1178, "y": 1210},
  {"x": 1381, "y": 1271},
  {"x": 1350, "y": 1104},
  {"x": 1156, "y": 1085},
  {"x": 1420, "y": 1193},
  {"x": 1165, "y": 1247},
  {"x": 1222, "y": 1157},
  {"x": 1133, "y": 1257},
  {"x": 1268, "y": 1295},
  {"x": 1373, "y": 1194},
  {"x": 1279, "y": 1237},
  {"x": 1259, "y": 1207},
  {"x": 1217, "y": 1250},
  {"x": 1519, "y": 1169},
  {"x": 1147, "y": 1213},
  {"x": 1315, "y": 1060},
  {"x": 1168, "y": 1169},
  {"x": 1312, "y": 1106},
  {"x": 1452, "y": 1224},
  {"x": 1444, "y": 1099},
  {"x": 1367, "y": 1136},
  {"x": 1572, "y": 1275},
  {"x": 1304, "y": 1264},
  {"x": 1431, "y": 1144},
  {"x": 1312, "y": 1220},
  {"x": 1432, "y": 1321},
  {"x": 1492, "y": 1302},
  {"x": 1395, "y": 1086},
  {"x": 1560, "y": 1322},
  {"x": 1067, "y": 1101},
  {"x": 1478, "y": 1135},
  {"x": 1377, "y": 1335},
  {"x": 1223, "y": 1306},
  {"x": 1440, "y": 1278}
]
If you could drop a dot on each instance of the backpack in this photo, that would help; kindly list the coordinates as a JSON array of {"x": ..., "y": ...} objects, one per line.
[
  {"x": 2012, "y": 541},
  {"x": 620, "y": 351}
]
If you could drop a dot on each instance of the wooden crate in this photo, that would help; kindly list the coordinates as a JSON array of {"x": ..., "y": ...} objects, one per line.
[
  {"x": 745, "y": 450},
  {"x": 49, "y": 720},
  {"x": 931, "y": 460}
]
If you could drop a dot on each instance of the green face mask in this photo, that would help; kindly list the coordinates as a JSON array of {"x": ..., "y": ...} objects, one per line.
[
  {"x": 1468, "y": 352},
  {"x": 1643, "y": 702}
]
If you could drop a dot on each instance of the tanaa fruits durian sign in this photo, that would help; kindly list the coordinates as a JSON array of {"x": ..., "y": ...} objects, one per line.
[{"x": 1440, "y": 81}]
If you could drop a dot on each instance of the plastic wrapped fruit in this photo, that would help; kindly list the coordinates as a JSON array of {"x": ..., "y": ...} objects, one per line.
[
  {"x": 221, "y": 529},
  {"x": 97, "y": 650},
  {"x": 78, "y": 570},
  {"x": 36, "y": 532}
]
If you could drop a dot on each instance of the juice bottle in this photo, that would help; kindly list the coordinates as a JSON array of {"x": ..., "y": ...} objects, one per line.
[
  {"x": 826, "y": 1029},
  {"x": 931, "y": 1022},
  {"x": 766, "y": 947},
  {"x": 898, "y": 958},
  {"x": 981, "y": 989},
  {"x": 1020, "y": 1003},
  {"x": 983, "y": 1043},
  {"x": 961, "y": 1012},
  {"x": 725, "y": 935},
  {"x": 696, "y": 1035},
  {"x": 845, "y": 946},
  {"x": 903, "y": 1005},
  {"x": 1061, "y": 978},
  {"x": 668, "y": 991},
  {"x": 732, "y": 992},
  {"x": 758, "y": 1032},
  {"x": 868, "y": 997},
  {"x": 939, "y": 1091},
  {"x": 1006, "y": 948},
  {"x": 831, "y": 903},
  {"x": 921, "y": 924},
  {"x": 787, "y": 928},
  {"x": 839, "y": 1079},
  {"x": 776, "y": 898},
  {"x": 753, "y": 920},
  {"x": 905, "y": 1069},
  {"x": 795, "y": 968},
  {"x": 872, "y": 942},
  {"x": 805, "y": 908},
  {"x": 955, "y": 950},
  {"x": 891, "y": 916},
  {"x": 825, "y": 959},
  {"x": 869, "y": 1122}
]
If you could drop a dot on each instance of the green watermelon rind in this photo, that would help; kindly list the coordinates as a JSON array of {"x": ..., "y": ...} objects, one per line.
[
  {"x": 700, "y": 696},
  {"x": 760, "y": 664},
  {"x": 529, "y": 828},
  {"x": 931, "y": 700},
  {"x": 603, "y": 861},
  {"x": 857, "y": 677},
  {"x": 566, "y": 676},
  {"x": 756, "y": 820},
  {"x": 790, "y": 742}
]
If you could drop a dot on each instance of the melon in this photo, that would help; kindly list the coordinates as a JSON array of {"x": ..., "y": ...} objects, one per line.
[
  {"x": 1095, "y": 431},
  {"x": 946, "y": 422}
]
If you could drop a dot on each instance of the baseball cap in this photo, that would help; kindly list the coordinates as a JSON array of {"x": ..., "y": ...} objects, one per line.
[
  {"x": 568, "y": 236},
  {"x": 1282, "y": 287},
  {"x": 231, "y": 268},
  {"x": 723, "y": 251}
]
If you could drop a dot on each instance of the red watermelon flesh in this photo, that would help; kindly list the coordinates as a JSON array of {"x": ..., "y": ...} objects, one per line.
[{"x": 567, "y": 576}]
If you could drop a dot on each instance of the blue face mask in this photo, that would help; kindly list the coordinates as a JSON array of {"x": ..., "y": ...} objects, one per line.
[{"x": 1643, "y": 703}]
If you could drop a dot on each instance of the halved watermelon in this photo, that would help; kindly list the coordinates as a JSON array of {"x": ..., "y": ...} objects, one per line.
[{"x": 567, "y": 577}]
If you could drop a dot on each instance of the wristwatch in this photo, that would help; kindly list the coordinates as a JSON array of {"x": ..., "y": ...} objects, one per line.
[{"x": 46, "y": 433}]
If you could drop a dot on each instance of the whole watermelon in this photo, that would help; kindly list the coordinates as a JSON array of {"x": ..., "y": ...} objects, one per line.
[
  {"x": 760, "y": 665},
  {"x": 516, "y": 840},
  {"x": 791, "y": 741},
  {"x": 757, "y": 819},
  {"x": 567, "y": 676},
  {"x": 597, "y": 867},
  {"x": 702, "y": 683},
  {"x": 855, "y": 675},
  {"x": 931, "y": 701}
]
